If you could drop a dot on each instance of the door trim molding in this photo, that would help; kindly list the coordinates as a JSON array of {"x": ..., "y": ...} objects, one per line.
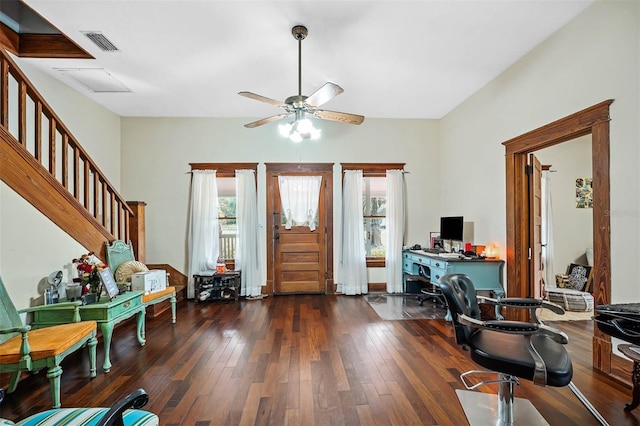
[
  {"x": 291, "y": 169},
  {"x": 595, "y": 121}
]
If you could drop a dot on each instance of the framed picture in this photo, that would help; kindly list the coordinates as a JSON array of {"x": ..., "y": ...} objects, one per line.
[
  {"x": 109, "y": 283},
  {"x": 434, "y": 240},
  {"x": 584, "y": 193},
  {"x": 579, "y": 277}
]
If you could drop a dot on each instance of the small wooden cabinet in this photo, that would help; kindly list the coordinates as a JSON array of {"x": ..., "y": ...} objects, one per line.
[{"x": 217, "y": 286}]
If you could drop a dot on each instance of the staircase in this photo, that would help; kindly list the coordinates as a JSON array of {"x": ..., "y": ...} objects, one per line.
[{"x": 44, "y": 163}]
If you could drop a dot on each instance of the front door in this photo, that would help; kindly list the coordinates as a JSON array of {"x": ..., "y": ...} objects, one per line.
[{"x": 298, "y": 258}]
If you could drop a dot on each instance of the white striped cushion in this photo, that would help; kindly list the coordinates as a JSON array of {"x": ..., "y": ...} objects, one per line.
[{"x": 87, "y": 417}]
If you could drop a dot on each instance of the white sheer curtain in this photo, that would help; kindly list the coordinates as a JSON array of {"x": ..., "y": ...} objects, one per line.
[
  {"x": 547, "y": 232},
  {"x": 354, "y": 258},
  {"x": 204, "y": 235},
  {"x": 300, "y": 195},
  {"x": 247, "y": 255},
  {"x": 395, "y": 230}
]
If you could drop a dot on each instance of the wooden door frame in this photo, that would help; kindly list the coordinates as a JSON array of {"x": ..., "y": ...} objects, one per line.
[
  {"x": 594, "y": 121},
  {"x": 292, "y": 169},
  {"x": 535, "y": 225}
]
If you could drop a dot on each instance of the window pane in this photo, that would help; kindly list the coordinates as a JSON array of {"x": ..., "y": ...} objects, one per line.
[
  {"x": 228, "y": 232},
  {"x": 375, "y": 236},
  {"x": 226, "y": 197},
  {"x": 374, "y": 196}
]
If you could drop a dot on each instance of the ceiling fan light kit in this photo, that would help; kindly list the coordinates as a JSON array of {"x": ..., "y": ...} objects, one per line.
[
  {"x": 302, "y": 107},
  {"x": 299, "y": 129}
]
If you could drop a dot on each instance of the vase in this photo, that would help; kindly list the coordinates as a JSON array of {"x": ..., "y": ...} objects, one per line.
[{"x": 73, "y": 292}]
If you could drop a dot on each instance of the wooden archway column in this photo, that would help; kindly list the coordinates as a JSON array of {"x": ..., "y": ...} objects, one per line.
[
  {"x": 137, "y": 229},
  {"x": 595, "y": 121}
]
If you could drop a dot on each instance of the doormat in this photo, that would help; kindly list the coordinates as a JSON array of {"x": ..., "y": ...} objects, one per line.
[{"x": 403, "y": 307}]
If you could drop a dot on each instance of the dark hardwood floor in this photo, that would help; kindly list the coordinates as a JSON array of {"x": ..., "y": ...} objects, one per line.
[{"x": 323, "y": 360}]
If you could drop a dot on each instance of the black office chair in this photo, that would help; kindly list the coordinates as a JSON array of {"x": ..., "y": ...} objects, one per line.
[
  {"x": 429, "y": 291},
  {"x": 512, "y": 349}
]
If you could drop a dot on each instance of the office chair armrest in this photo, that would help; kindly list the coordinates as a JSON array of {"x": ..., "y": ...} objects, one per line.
[
  {"x": 511, "y": 327},
  {"x": 516, "y": 327},
  {"x": 135, "y": 400},
  {"x": 553, "y": 333},
  {"x": 512, "y": 302},
  {"x": 522, "y": 303}
]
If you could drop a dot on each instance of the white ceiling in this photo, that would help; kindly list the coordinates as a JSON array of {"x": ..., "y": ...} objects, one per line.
[{"x": 394, "y": 59}]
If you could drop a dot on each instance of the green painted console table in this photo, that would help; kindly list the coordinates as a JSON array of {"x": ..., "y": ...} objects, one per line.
[{"x": 106, "y": 313}]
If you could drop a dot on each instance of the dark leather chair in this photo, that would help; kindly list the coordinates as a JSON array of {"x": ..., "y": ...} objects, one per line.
[{"x": 512, "y": 349}]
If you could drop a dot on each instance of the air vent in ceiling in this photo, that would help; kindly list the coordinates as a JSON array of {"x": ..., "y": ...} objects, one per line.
[
  {"x": 98, "y": 80},
  {"x": 101, "y": 41}
]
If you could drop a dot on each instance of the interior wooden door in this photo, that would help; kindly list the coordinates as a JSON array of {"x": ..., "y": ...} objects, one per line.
[
  {"x": 299, "y": 259},
  {"x": 535, "y": 226}
]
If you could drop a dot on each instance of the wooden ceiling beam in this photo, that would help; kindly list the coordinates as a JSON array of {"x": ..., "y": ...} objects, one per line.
[{"x": 30, "y": 45}]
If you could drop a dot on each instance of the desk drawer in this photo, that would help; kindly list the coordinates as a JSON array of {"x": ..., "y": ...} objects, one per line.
[
  {"x": 437, "y": 273},
  {"x": 125, "y": 306},
  {"x": 421, "y": 260},
  {"x": 112, "y": 310}
]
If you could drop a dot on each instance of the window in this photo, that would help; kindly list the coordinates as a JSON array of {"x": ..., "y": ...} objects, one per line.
[
  {"x": 228, "y": 226},
  {"x": 374, "y": 204},
  {"x": 227, "y": 223},
  {"x": 374, "y": 197}
]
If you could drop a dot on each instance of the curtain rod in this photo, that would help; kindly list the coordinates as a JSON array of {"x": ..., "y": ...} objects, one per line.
[{"x": 403, "y": 171}]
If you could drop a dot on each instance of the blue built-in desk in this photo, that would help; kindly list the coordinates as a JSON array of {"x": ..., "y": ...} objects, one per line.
[{"x": 486, "y": 274}]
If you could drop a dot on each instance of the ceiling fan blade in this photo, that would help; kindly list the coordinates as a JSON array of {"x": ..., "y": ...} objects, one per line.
[
  {"x": 262, "y": 99},
  {"x": 266, "y": 120},
  {"x": 324, "y": 94},
  {"x": 342, "y": 117}
]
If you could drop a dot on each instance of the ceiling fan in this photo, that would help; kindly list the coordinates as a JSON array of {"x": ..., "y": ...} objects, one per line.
[{"x": 299, "y": 106}]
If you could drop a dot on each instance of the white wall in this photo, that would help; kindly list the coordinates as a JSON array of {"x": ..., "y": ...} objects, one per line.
[
  {"x": 573, "y": 227},
  {"x": 593, "y": 58},
  {"x": 31, "y": 246},
  {"x": 156, "y": 153}
]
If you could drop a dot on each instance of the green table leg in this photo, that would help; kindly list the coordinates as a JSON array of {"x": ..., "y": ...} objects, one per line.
[
  {"x": 107, "y": 331},
  {"x": 53, "y": 374},
  {"x": 141, "y": 336},
  {"x": 173, "y": 308}
]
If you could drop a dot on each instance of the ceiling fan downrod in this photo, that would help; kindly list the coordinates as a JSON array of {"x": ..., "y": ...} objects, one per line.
[{"x": 299, "y": 33}]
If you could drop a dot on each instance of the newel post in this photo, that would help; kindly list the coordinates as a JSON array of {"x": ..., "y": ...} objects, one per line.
[{"x": 137, "y": 229}]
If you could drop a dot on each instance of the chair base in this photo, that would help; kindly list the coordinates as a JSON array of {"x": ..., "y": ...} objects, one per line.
[{"x": 482, "y": 409}]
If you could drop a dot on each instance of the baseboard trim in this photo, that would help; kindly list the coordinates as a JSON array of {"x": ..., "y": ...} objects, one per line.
[{"x": 377, "y": 287}]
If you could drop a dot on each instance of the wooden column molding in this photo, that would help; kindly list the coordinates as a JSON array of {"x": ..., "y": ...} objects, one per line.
[{"x": 137, "y": 229}]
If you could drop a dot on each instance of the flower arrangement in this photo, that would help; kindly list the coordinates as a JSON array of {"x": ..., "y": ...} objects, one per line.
[{"x": 88, "y": 266}]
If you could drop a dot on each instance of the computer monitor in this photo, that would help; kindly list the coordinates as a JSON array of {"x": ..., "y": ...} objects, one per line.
[{"x": 451, "y": 228}]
